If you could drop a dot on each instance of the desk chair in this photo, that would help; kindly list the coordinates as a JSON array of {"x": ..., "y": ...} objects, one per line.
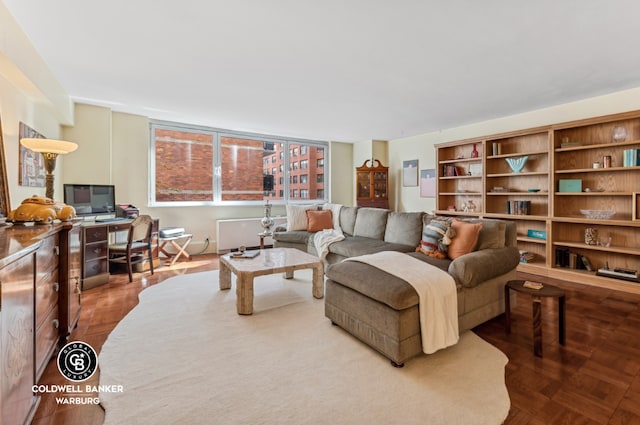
[{"x": 138, "y": 241}]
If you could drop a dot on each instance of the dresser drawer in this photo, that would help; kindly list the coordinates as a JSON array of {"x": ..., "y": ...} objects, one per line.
[
  {"x": 47, "y": 256},
  {"x": 46, "y": 340},
  {"x": 96, "y": 250},
  {"x": 96, "y": 267},
  {"x": 119, "y": 227},
  {"x": 46, "y": 295},
  {"x": 95, "y": 234}
]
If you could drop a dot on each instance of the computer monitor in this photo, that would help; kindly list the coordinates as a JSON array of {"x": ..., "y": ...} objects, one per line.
[{"x": 90, "y": 199}]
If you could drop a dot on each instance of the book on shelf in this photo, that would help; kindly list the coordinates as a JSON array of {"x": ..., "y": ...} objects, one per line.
[
  {"x": 631, "y": 157},
  {"x": 568, "y": 259},
  {"x": 526, "y": 256}
]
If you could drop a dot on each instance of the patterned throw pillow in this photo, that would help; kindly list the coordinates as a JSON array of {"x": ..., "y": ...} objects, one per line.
[{"x": 436, "y": 236}]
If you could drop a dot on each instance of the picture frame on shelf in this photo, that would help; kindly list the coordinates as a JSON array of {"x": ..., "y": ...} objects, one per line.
[{"x": 475, "y": 169}]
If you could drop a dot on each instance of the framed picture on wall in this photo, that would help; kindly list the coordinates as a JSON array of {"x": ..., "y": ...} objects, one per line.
[
  {"x": 5, "y": 204},
  {"x": 30, "y": 164},
  {"x": 428, "y": 183},
  {"x": 410, "y": 173}
]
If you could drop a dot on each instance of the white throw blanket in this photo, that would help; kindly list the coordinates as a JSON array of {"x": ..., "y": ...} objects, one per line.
[
  {"x": 436, "y": 290},
  {"x": 324, "y": 238}
]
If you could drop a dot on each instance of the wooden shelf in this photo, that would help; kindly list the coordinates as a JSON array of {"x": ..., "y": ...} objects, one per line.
[
  {"x": 526, "y": 173},
  {"x": 617, "y": 249},
  {"x": 597, "y": 146},
  {"x": 597, "y": 170},
  {"x": 511, "y": 155},
  {"x": 518, "y": 193},
  {"x": 532, "y": 240},
  {"x": 556, "y": 213}
]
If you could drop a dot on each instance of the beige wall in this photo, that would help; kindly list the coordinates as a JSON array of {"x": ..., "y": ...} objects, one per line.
[
  {"x": 341, "y": 173},
  {"x": 114, "y": 149},
  {"x": 421, "y": 147},
  {"x": 28, "y": 93}
]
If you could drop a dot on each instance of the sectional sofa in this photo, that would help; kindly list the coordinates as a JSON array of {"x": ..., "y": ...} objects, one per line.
[{"x": 381, "y": 309}]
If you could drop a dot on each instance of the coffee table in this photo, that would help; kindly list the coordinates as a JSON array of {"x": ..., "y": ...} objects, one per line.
[{"x": 270, "y": 261}]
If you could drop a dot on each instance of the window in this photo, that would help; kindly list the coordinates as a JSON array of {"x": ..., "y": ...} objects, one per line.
[{"x": 193, "y": 165}]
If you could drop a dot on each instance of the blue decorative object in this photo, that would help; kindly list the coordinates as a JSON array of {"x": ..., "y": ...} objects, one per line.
[{"x": 517, "y": 163}]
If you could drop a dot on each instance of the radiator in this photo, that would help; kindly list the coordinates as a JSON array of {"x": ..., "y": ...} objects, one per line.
[{"x": 232, "y": 233}]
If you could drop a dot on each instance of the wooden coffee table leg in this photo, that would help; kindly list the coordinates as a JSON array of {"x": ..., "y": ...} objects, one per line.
[
  {"x": 537, "y": 327},
  {"x": 288, "y": 274},
  {"x": 318, "y": 281},
  {"x": 224, "y": 276},
  {"x": 244, "y": 294}
]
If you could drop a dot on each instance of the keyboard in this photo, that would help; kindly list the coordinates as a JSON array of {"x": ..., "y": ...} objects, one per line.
[{"x": 109, "y": 220}]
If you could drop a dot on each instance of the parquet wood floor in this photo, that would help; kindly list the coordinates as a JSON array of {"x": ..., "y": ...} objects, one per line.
[{"x": 593, "y": 379}]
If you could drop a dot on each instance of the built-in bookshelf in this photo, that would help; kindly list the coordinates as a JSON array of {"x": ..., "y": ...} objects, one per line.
[{"x": 576, "y": 174}]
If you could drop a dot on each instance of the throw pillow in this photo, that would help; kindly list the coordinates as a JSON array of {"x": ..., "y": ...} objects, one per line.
[
  {"x": 335, "y": 212},
  {"x": 436, "y": 236},
  {"x": 319, "y": 220},
  {"x": 465, "y": 239},
  {"x": 297, "y": 217}
]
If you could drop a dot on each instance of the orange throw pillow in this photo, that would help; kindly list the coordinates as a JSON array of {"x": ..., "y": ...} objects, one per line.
[
  {"x": 319, "y": 220},
  {"x": 465, "y": 239}
]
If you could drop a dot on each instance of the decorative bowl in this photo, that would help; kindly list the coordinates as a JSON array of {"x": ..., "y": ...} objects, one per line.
[
  {"x": 598, "y": 214},
  {"x": 517, "y": 163}
]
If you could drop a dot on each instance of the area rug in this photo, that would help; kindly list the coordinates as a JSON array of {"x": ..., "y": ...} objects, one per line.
[{"x": 183, "y": 356}]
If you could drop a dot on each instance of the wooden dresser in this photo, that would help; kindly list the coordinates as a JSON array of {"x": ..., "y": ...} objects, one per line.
[{"x": 39, "y": 271}]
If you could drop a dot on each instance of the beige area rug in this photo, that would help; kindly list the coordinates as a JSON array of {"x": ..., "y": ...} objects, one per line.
[{"x": 183, "y": 356}]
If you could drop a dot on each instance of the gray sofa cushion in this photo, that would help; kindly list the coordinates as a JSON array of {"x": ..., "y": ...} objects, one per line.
[
  {"x": 353, "y": 246},
  {"x": 476, "y": 267},
  {"x": 294, "y": 236},
  {"x": 348, "y": 219},
  {"x": 492, "y": 234},
  {"x": 404, "y": 228},
  {"x": 371, "y": 223},
  {"x": 381, "y": 286}
]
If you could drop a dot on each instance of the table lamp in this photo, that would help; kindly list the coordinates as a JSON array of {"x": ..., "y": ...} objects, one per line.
[{"x": 50, "y": 149}]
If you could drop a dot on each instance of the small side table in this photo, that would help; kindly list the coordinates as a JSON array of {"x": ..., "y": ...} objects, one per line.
[
  {"x": 536, "y": 296},
  {"x": 179, "y": 246}
]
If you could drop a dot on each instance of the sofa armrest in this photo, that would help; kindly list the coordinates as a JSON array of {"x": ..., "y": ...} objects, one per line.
[
  {"x": 476, "y": 267},
  {"x": 281, "y": 228}
]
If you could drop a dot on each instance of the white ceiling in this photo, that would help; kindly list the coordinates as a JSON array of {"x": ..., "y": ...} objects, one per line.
[{"x": 346, "y": 70}]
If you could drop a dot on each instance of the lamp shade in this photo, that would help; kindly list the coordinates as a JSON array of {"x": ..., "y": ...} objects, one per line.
[{"x": 49, "y": 145}]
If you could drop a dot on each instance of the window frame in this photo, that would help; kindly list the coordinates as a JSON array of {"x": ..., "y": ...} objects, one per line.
[{"x": 217, "y": 134}]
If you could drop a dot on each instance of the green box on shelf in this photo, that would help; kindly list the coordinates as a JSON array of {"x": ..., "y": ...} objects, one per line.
[
  {"x": 537, "y": 234},
  {"x": 570, "y": 185}
]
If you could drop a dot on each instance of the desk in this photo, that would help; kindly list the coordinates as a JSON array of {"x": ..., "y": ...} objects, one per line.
[
  {"x": 95, "y": 249},
  {"x": 179, "y": 247}
]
